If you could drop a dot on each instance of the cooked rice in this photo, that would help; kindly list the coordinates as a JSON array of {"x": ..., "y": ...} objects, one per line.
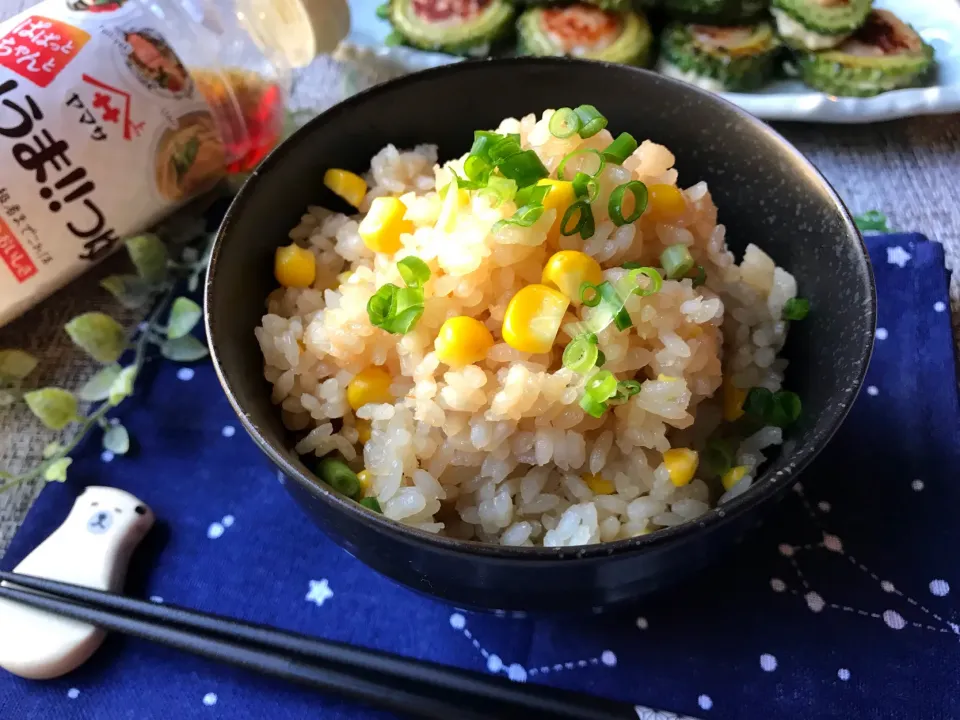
[{"x": 498, "y": 451}]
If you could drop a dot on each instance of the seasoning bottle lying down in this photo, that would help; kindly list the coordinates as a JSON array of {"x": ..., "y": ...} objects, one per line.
[{"x": 113, "y": 113}]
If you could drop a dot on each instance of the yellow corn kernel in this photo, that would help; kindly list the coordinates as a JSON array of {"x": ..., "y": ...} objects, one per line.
[
  {"x": 381, "y": 229},
  {"x": 681, "y": 463},
  {"x": 462, "y": 340},
  {"x": 733, "y": 398},
  {"x": 664, "y": 202},
  {"x": 560, "y": 197},
  {"x": 369, "y": 386},
  {"x": 533, "y": 318},
  {"x": 732, "y": 476},
  {"x": 350, "y": 186},
  {"x": 598, "y": 484},
  {"x": 567, "y": 270},
  {"x": 363, "y": 430},
  {"x": 294, "y": 266},
  {"x": 666, "y": 378},
  {"x": 366, "y": 480},
  {"x": 453, "y": 202}
]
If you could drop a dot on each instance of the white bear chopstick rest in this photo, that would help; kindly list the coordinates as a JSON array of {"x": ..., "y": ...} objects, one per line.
[{"x": 91, "y": 548}]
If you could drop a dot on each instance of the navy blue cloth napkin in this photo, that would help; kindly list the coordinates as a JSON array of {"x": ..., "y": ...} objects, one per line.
[{"x": 843, "y": 605}]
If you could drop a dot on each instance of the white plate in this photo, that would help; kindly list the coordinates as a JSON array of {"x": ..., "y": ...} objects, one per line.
[{"x": 938, "y": 21}]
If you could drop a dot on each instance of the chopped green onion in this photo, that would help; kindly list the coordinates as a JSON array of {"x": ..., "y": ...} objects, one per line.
[
  {"x": 700, "y": 277},
  {"x": 580, "y": 210},
  {"x": 602, "y": 386},
  {"x": 796, "y": 308},
  {"x": 503, "y": 148},
  {"x": 591, "y": 121},
  {"x": 630, "y": 387},
  {"x": 581, "y": 354},
  {"x": 872, "y": 220},
  {"x": 483, "y": 140},
  {"x": 758, "y": 403},
  {"x": 414, "y": 271},
  {"x": 654, "y": 277},
  {"x": 601, "y": 358},
  {"x": 475, "y": 166},
  {"x": 592, "y": 407},
  {"x": 620, "y": 149},
  {"x": 338, "y": 475},
  {"x": 532, "y": 195},
  {"x": 564, "y": 123},
  {"x": 589, "y": 294},
  {"x": 500, "y": 190},
  {"x": 718, "y": 456},
  {"x": 371, "y": 504},
  {"x": 523, "y": 167},
  {"x": 786, "y": 409},
  {"x": 592, "y": 295},
  {"x": 589, "y": 225},
  {"x": 467, "y": 184},
  {"x": 676, "y": 261},
  {"x": 615, "y": 204},
  {"x": 591, "y": 163},
  {"x": 586, "y": 187},
  {"x": 523, "y": 217},
  {"x": 631, "y": 265}
]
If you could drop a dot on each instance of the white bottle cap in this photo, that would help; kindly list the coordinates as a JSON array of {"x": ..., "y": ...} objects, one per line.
[{"x": 298, "y": 30}]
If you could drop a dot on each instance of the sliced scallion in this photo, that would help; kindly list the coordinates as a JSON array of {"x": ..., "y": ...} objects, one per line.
[
  {"x": 584, "y": 160},
  {"x": 602, "y": 386},
  {"x": 758, "y": 403},
  {"x": 630, "y": 387},
  {"x": 564, "y": 123},
  {"x": 414, "y": 271},
  {"x": 786, "y": 409},
  {"x": 613, "y": 306},
  {"x": 620, "y": 149},
  {"x": 503, "y": 148},
  {"x": 615, "y": 205},
  {"x": 631, "y": 265},
  {"x": 655, "y": 281},
  {"x": 601, "y": 358},
  {"x": 475, "y": 166},
  {"x": 483, "y": 140},
  {"x": 718, "y": 456},
  {"x": 581, "y": 354},
  {"x": 575, "y": 218},
  {"x": 700, "y": 276},
  {"x": 592, "y": 407},
  {"x": 523, "y": 217},
  {"x": 591, "y": 121},
  {"x": 586, "y": 187},
  {"x": 523, "y": 167},
  {"x": 338, "y": 475},
  {"x": 500, "y": 190},
  {"x": 589, "y": 295},
  {"x": 676, "y": 261},
  {"x": 531, "y": 195},
  {"x": 796, "y": 308},
  {"x": 371, "y": 503}
]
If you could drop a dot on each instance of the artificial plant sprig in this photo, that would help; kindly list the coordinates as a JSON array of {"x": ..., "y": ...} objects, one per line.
[{"x": 155, "y": 284}]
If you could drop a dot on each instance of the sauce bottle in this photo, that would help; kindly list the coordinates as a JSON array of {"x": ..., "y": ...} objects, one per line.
[{"x": 113, "y": 113}]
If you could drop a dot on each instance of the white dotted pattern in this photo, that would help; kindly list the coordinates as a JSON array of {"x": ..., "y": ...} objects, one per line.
[
  {"x": 939, "y": 306},
  {"x": 872, "y": 390},
  {"x": 917, "y": 485},
  {"x": 107, "y": 456},
  {"x": 642, "y": 623},
  {"x": 843, "y": 674},
  {"x": 705, "y": 702},
  {"x": 210, "y": 699},
  {"x": 882, "y": 333},
  {"x": 73, "y": 693},
  {"x": 768, "y": 662},
  {"x": 186, "y": 374},
  {"x": 939, "y": 587},
  {"x": 228, "y": 431}
]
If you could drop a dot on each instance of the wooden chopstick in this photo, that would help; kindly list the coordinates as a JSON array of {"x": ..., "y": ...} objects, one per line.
[{"x": 404, "y": 685}]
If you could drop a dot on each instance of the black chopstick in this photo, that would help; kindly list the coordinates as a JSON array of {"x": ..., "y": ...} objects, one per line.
[{"x": 404, "y": 685}]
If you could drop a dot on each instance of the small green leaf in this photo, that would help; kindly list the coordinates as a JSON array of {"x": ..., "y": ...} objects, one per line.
[
  {"x": 51, "y": 449},
  {"x": 57, "y": 470},
  {"x": 184, "y": 349},
  {"x": 131, "y": 290},
  {"x": 149, "y": 256},
  {"x": 98, "y": 387},
  {"x": 16, "y": 364},
  {"x": 123, "y": 385},
  {"x": 55, "y": 407},
  {"x": 872, "y": 221},
  {"x": 184, "y": 315},
  {"x": 116, "y": 439},
  {"x": 99, "y": 335}
]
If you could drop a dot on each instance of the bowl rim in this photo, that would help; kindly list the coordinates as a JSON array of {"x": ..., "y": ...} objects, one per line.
[{"x": 769, "y": 484}]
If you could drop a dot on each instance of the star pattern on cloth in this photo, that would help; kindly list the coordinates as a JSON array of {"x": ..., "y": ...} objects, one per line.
[
  {"x": 319, "y": 592},
  {"x": 896, "y": 255}
]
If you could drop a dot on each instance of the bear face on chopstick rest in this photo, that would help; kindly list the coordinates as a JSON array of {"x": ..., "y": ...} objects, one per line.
[{"x": 92, "y": 548}]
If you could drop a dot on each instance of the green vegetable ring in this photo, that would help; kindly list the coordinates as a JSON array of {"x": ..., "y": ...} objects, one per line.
[
  {"x": 717, "y": 12},
  {"x": 620, "y": 37},
  {"x": 442, "y": 27},
  {"x": 811, "y": 25},
  {"x": 885, "y": 54},
  {"x": 720, "y": 58}
]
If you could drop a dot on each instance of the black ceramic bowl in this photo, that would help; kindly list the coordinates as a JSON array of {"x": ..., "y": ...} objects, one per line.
[{"x": 767, "y": 193}]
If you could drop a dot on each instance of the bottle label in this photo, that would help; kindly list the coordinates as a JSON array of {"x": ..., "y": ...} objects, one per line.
[{"x": 102, "y": 132}]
